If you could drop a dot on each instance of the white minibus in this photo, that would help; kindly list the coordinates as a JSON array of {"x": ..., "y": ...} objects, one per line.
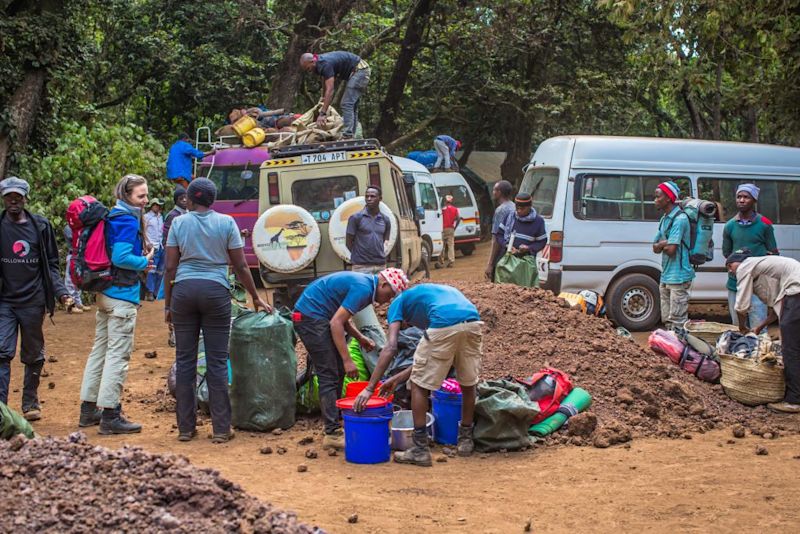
[{"x": 596, "y": 195}]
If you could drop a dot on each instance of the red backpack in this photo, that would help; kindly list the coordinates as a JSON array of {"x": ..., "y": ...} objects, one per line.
[
  {"x": 91, "y": 268},
  {"x": 560, "y": 386}
]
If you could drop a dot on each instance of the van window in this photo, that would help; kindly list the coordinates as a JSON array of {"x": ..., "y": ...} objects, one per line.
[
  {"x": 777, "y": 199},
  {"x": 324, "y": 194},
  {"x": 542, "y": 184},
  {"x": 624, "y": 197},
  {"x": 402, "y": 199},
  {"x": 229, "y": 182},
  {"x": 427, "y": 197},
  {"x": 461, "y": 198}
]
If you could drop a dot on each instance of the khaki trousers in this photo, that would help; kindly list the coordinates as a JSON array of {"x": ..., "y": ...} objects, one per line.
[
  {"x": 448, "y": 256},
  {"x": 107, "y": 366}
]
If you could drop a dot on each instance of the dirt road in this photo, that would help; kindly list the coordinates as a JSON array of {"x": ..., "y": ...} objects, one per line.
[{"x": 709, "y": 482}]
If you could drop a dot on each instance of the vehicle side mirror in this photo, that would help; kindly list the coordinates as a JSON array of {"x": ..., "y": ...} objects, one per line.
[
  {"x": 246, "y": 175},
  {"x": 420, "y": 213}
]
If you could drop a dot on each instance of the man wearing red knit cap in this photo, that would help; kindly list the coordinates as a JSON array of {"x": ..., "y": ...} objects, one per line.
[{"x": 673, "y": 242}]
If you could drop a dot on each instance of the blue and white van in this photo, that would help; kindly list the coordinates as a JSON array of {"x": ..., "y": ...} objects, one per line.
[
  {"x": 422, "y": 194},
  {"x": 596, "y": 195}
]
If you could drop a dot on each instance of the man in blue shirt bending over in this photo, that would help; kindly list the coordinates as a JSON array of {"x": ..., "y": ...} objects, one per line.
[
  {"x": 179, "y": 160},
  {"x": 321, "y": 318},
  {"x": 446, "y": 147},
  {"x": 452, "y": 337},
  {"x": 673, "y": 241}
]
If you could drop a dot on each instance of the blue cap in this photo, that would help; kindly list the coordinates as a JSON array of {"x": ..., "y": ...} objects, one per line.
[{"x": 13, "y": 184}]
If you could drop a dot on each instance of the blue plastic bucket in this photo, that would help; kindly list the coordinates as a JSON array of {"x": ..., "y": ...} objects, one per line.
[
  {"x": 387, "y": 410},
  {"x": 366, "y": 439},
  {"x": 447, "y": 414}
]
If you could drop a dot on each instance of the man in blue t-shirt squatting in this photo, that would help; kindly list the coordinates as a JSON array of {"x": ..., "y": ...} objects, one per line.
[
  {"x": 453, "y": 338},
  {"x": 321, "y": 319}
]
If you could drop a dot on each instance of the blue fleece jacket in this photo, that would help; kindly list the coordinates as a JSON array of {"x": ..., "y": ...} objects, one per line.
[{"x": 125, "y": 240}]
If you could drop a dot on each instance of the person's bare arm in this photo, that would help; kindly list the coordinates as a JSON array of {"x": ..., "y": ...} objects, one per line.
[
  {"x": 338, "y": 325},
  {"x": 387, "y": 354},
  {"x": 171, "y": 267},
  {"x": 670, "y": 250},
  {"x": 771, "y": 318},
  {"x": 327, "y": 95}
]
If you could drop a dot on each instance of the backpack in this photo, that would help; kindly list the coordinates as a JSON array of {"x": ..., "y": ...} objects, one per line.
[
  {"x": 91, "y": 268},
  {"x": 701, "y": 226},
  {"x": 548, "y": 387}
]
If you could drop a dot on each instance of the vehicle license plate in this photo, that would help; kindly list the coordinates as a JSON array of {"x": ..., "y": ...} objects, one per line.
[{"x": 324, "y": 157}]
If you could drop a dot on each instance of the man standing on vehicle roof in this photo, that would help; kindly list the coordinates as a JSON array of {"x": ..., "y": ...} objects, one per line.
[
  {"x": 673, "y": 241},
  {"x": 179, "y": 160},
  {"x": 505, "y": 207},
  {"x": 748, "y": 230},
  {"x": 321, "y": 318},
  {"x": 346, "y": 67},
  {"x": 450, "y": 221},
  {"x": 29, "y": 285},
  {"x": 777, "y": 281},
  {"x": 453, "y": 338},
  {"x": 367, "y": 232},
  {"x": 445, "y": 147}
]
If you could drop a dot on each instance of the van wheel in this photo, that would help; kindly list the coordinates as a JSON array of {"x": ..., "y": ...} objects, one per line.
[
  {"x": 427, "y": 251},
  {"x": 634, "y": 303},
  {"x": 467, "y": 250}
]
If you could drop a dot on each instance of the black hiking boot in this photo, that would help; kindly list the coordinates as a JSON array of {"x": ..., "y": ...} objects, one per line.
[
  {"x": 90, "y": 414},
  {"x": 466, "y": 446},
  {"x": 419, "y": 454},
  {"x": 112, "y": 422}
]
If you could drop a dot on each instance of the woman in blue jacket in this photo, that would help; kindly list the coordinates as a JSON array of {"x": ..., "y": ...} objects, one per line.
[{"x": 107, "y": 366}]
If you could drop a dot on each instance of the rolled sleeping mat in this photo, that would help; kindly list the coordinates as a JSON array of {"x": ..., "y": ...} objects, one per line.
[{"x": 576, "y": 402}]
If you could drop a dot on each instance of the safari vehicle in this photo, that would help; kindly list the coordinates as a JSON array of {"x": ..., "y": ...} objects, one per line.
[
  {"x": 468, "y": 233},
  {"x": 596, "y": 196},
  {"x": 310, "y": 182},
  {"x": 234, "y": 170},
  {"x": 422, "y": 194}
]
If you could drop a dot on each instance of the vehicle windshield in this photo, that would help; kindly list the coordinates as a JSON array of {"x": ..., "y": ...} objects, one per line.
[
  {"x": 461, "y": 198},
  {"x": 230, "y": 184},
  {"x": 541, "y": 184}
]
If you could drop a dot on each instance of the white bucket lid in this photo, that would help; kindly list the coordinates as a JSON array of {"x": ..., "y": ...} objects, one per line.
[
  {"x": 286, "y": 238},
  {"x": 337, "y": 226}
]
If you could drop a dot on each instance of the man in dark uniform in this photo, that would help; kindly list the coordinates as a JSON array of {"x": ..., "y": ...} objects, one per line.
[
  {"x": 31, "y": 281},
  {"x": 367, "y": 231},
  {"x": 348, "y": 68}
]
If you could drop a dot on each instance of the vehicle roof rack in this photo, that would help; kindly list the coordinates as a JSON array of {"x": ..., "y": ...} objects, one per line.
[{"x": 330, "y": 146}]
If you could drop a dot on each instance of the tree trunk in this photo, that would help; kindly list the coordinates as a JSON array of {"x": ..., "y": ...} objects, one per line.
[
  {"x": 318, "y": 16},
  {"x": 23, "y": 108},
  {"x": 694, "y": 113},
  {"x": 387, "y": 129},
  {"x": 517, "y": 134},
  {"x": 751, "y": 124}
]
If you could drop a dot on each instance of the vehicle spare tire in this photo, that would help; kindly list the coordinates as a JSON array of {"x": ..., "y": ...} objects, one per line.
[
  {"x": 286, "y": 238},
  {"x": 337, "y": 226}
]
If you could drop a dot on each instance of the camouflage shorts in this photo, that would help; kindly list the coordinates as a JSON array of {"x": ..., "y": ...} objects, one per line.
[{"x": 675, "y": 304}]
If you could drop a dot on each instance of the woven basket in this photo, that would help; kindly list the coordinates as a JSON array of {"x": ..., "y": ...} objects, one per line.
[
  {"x": 751, "y": 382},
  {"x": 708, "y": 331}
]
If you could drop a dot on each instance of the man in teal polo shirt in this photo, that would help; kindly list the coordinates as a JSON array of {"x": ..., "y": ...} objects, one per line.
[
  {"x": 748, "y": 230},
  {"x": 673, "y": 242},
  {"x": 453, "y": 338}
]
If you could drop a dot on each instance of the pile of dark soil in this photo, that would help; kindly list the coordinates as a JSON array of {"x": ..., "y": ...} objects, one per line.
[
  {"x": 67, "y": 485},
  {"x": 635, "y": 392}
]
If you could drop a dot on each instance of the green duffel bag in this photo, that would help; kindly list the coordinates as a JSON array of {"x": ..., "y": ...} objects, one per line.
[
  {"x": 503, "y": 413},
  {"x": 264, "y": 369},
  {"x": 515, "y": 270},
  {"x": 12, "y": 423}
]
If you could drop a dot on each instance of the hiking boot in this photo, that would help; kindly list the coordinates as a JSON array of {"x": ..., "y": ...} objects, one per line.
[
  {"x": 334, "y": 441},
  {"x": 419, "y": 454},
  {"x": 90, "y": 414},
  {"x": 34, "y": 413},
  {"x": 112, "y": 422},
  {"x": 187, "y": 436},
  {"x": 465, "y": 444},
  {"x": 222, "y": 438},
  {"x": 784, "y": 407}
]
